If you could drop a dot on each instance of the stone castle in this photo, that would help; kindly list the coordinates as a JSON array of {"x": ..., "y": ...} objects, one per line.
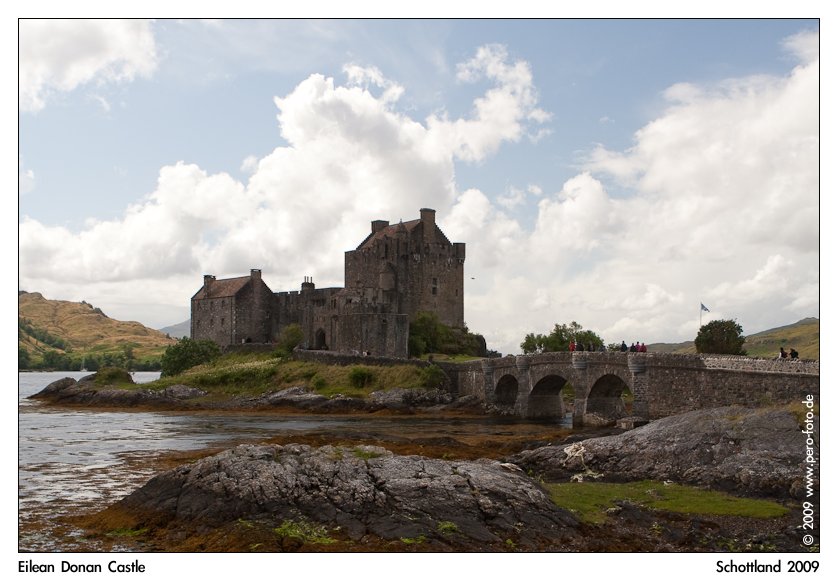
[{"x": 396, "y": 272}]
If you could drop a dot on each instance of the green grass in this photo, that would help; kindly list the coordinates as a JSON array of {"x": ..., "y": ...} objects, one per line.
[
  {"x": 590, "y": 500},
  {"x": 254, "y": 374},
  {"x": 304, "y": 531},
  {"x": 365, "y": 454},
  {"x": 447, "y": 527}
]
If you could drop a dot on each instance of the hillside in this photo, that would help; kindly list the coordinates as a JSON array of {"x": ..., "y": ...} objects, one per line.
[
  {"x": 82, "y": 331},
  {"x": 181, "y": 330},
  {"x": 804, "y": 336}
]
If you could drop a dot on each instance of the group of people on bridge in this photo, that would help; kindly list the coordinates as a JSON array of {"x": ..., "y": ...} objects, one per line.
[
  {"x": 635, "y": 347},
  {"x": 582, "y": 347},
  {"x": 792, "y": 353}
]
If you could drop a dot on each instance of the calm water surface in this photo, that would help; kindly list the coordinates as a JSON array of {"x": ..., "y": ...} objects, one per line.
[{"x": 77, "y": 460}]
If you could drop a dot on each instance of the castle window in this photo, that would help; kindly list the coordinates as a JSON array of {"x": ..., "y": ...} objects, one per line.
[
  {"x": 433, "y": 286},
  {"x": 222, "y": 321}
]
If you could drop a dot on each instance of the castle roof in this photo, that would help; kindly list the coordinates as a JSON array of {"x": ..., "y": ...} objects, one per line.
[
  {"x": 389, "y": 231},
  {"x": 222, "y": 288}
]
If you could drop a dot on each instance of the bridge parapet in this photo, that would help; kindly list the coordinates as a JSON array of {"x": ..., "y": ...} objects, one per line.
[
  {"x": 581, "y": 360},
  {"x": 733, "y": 362},
  {"x": 756, "y": 364}
]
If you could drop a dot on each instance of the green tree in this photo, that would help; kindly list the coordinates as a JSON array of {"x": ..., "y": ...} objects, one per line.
[
  {"x": 559, "y": 339},
  {"x": 53, "y": 360},
  {"x": 128, "y": 355},
  {"x": 23, "y": 358},
  {"x": 186, "y": 354},
  {"x": 720, "y": 337},
  {"x": 427, "y": 335},
  {"x": 289, "y": 338}
]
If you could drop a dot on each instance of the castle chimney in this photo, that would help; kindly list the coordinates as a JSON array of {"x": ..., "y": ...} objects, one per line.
[
  {"x": 256, "y": 275},
  {"x": 208, "y": 279},
  {"x": 428, "y": 216},
  {"x": 378, "y": 225},
  {"x": 308, "y": 284}
]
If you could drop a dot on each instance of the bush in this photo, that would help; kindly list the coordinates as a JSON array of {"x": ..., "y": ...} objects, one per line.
[
  {"x": 318, "y": 383},
  {"x": 289, "y": 338},
  {"x": 432, "y": 376},
  {"x": 186, "y": 354},
  {"x": 361, "y": 376},
  {"x": 720, "y": 337},
  {"x": 428, "y": 334},
  {"x": 110, "y": 375}
]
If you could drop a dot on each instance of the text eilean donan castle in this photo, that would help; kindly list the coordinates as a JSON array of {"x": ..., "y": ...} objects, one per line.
[{"x": 396, "y": 272}]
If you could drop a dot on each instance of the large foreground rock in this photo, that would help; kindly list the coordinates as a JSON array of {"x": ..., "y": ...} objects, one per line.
[
  {"x": 363, "y": 491},
  {"x": 754, "y": 451}
]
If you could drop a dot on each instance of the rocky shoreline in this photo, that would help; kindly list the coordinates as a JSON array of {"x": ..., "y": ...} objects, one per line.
[
  {"x": 748, "y": 451},
  {"x": 363, "y": 498},
  {"x": 87, "y": 392},
  {"x": 326, "y": 497}
]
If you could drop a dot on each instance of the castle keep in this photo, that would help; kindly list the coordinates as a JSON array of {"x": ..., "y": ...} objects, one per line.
[{"x": 396, "y": 272}]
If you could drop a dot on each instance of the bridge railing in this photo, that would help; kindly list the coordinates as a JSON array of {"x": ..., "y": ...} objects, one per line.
[
  {"x": 660, "y": 359},
  {"x": 757, "y": 364}
]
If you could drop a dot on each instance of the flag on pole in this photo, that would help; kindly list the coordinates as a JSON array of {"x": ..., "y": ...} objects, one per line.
[{"x": 704, "y": 308}]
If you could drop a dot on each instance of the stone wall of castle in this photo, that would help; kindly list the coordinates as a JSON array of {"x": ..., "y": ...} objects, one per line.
[
  {"x": 408, "y": 268},
  {"x": 397, "y": 271},
  {"x": 234, "y": 317}
]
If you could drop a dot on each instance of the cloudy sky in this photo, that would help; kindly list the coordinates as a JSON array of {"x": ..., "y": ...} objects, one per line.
[{"x": 616, "y": 173}]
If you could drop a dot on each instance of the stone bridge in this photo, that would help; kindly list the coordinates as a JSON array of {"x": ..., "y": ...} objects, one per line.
[{"x": 607, "y": 386}]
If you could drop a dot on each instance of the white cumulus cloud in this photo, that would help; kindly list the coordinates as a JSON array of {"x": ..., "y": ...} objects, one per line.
[
  {"x": 60, "y": 55},
  {"x": 718, "y": 203},
  {"x": 351, "y": 156}
]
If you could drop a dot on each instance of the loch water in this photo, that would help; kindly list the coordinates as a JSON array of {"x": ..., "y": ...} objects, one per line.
[{"x": 77, "y": 460}]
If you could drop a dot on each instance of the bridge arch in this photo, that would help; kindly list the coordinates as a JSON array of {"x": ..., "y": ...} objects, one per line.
[
  {"x": 608, "y": 397},
  {"x": 545, "y": 399},
  {"x": 506, "y": 391}
]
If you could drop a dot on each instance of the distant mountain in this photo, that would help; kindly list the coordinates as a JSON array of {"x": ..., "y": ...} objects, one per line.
[
  {"x": 804, "y": 336},
  {"x": 82, "y": 329},
  {"x": 178, "y": 331}
]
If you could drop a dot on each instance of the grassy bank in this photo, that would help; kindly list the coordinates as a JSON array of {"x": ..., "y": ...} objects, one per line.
[
  {"x": 590, "y": 501},
  {"x": 244, "y": 375}
]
